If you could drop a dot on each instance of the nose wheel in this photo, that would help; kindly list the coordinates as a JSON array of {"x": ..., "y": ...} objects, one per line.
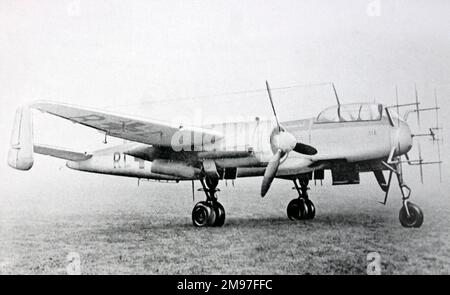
[
  {"x": 411, "y": 215},
  {"x": 302, "y": 207},
  {"x": 209, "y": 212}
]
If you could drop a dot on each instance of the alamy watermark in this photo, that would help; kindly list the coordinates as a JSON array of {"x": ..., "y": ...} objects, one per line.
[
  {"x": 74, "y": 263},
  {"x": 374, "y": 263}
]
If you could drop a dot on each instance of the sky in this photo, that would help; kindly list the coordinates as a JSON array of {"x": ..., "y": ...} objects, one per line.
[{"x": 170, "y": 60}]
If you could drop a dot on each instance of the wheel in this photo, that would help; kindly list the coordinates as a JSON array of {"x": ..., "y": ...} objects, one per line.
[
  {"x": 293, "y": 210},
  {"x": 415, "y": 217},
  {"x": 304, "y": 209},
  {"x": 297, "y": 209},
  {"x": 220, "y": 214},
  {"x": 311, "y": 209},
  {"x": 203, "y": 214}
]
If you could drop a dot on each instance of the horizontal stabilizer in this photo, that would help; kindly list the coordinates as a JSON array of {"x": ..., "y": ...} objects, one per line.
[{"x": 61, "y": 153}]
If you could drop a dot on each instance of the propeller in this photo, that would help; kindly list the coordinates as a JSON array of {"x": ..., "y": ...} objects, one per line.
[{"x": 282, "y": 142}]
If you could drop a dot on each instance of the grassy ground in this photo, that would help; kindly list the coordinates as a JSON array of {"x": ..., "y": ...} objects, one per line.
[{"x": 119, "y": 228}]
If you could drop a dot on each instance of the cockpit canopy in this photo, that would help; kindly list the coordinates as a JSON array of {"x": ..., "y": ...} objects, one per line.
[{"x": 354, "y": 112}]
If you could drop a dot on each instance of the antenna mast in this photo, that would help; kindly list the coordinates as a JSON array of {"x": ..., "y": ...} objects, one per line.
[{"x": 335, "y": 94}]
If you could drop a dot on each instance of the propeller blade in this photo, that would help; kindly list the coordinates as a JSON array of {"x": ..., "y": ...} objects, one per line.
[
  {"x": 271, "y": 171},
  {"x": 305, "y": 149}
]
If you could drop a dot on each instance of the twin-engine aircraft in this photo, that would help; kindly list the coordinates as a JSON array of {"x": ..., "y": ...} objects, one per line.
[{"x": 347, "y": 139}]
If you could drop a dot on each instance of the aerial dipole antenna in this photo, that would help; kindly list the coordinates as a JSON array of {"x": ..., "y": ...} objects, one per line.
[
  {"x": 417, "y": 106},
  {"x": 439, "y": 139},
  {"x": 433, "y": 132},
  {"x": 418, "y": 125},
  {"x": 420, "y": 162},
  {"x": 397, "y": 105}
]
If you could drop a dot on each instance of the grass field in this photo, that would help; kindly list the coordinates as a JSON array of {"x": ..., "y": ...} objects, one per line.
[{"x": 120, "y": 228}]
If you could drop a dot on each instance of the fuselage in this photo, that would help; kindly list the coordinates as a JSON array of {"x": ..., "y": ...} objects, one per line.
[{"x": 350, "y": 133}]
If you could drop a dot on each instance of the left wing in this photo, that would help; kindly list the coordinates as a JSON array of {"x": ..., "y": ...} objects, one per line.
[{"x": 141, "y": 130}]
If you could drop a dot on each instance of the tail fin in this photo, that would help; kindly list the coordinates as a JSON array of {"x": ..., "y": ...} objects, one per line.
[{"x": 20, "y": 154}]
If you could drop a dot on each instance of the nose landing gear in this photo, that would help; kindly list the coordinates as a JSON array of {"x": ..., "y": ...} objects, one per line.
[
  {"x": 302, "y": 207},
  {"x": 410, "y": 214},
  {"x": 209, "y": 212}
]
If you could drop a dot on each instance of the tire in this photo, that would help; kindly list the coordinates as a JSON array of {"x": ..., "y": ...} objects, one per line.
[
  {"x": 311, "y": 209},
  {"x": 293, "y": 210},
  {"x": 203, "y": 215},
  {"x": 415, "y": 218},
  {"x": 220, "y": 214},
  {"x": 297, "y": 209},
  {"x": 304, "y": 210}
]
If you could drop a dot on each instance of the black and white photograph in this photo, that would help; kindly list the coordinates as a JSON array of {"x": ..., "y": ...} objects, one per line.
[{"x": 213, "y": 137}]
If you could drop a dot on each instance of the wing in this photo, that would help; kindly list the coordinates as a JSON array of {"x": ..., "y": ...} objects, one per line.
[{"x": 141, "y": 130}]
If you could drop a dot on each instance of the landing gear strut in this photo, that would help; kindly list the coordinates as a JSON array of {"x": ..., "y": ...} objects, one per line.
[
  {"x": 302, "y": 207},
  {"x": 410, "y": 214},
  {"x": 209, "y": 212}
]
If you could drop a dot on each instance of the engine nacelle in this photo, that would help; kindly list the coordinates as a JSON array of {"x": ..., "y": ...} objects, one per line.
[
  {"x": 20, "y": 154},
  {"x": 173, "y": 168}
]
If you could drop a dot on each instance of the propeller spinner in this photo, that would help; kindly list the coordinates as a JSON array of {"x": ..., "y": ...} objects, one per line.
[{"x": 282, "y": 143}]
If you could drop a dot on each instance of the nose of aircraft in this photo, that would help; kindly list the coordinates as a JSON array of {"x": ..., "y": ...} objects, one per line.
[{"x": 402, "y": 138}]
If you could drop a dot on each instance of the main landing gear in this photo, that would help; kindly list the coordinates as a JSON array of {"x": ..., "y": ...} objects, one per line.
[
  {"x": 209, "y": 212},
  {"x": 302, "y": 207}
]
